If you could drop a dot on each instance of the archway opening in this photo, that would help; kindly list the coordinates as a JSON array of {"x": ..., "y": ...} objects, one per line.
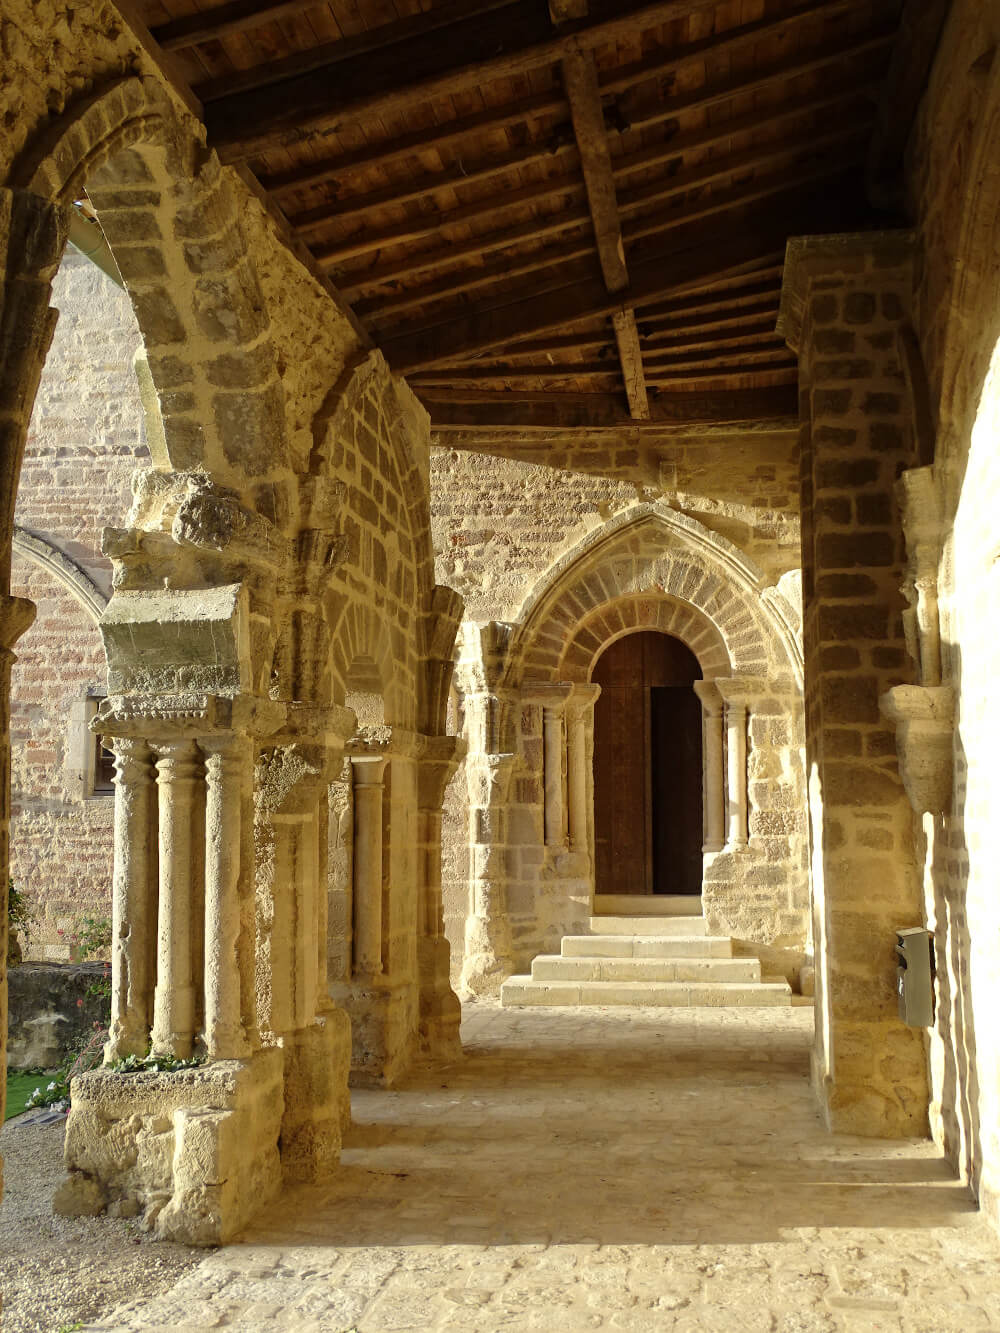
[{"x": 647, "y": 768}]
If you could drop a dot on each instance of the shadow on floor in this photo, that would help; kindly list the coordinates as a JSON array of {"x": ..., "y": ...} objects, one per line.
[{"x": 637, "y": 1129}]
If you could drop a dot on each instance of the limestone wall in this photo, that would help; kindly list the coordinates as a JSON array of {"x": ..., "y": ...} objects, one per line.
[
  {"x": 567, "y": 558},
  {"x": 87, "y": 438},
  {"x": 954, "y": 186}
]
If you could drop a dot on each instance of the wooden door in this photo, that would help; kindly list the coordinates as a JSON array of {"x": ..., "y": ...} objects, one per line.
[{"x": 646, "y": 751}]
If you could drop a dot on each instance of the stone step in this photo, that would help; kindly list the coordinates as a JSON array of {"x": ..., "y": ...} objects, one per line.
[
  {"x": 647, "y": 904},
  {"x": 525, "y": 991},
  {"x": 553, "y": 967},
  {"x": 646, "y": 946},
  {"x": 647, "y": 925}
]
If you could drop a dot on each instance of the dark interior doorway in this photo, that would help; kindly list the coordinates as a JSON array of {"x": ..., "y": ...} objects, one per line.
[{"x": 647, "y": 768}]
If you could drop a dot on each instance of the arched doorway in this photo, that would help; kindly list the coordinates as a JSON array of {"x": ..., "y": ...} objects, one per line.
[{"x": 647, "y": 768}]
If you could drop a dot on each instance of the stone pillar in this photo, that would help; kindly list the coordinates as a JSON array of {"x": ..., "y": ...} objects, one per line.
[
  {"x": 440, "y": 1011},
  {"x": 580, "y": 721},
  {"x": 177, "y": 774},
  {"x": 367, "y": 772},
  {"x": 226, "y": 770},
  {"x": 844, "y": 306},
  {"x": 713, "y": 786},
  {"x": 133, "y": 901},
  {"x": 736, "y": 768},
  {"x": 489, "y": 953},
  {"x": 552, "y": 731}
]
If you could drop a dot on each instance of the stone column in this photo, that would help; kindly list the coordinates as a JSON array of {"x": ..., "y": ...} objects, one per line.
[
  {"x": 489, "y": 953},
  {"x": 552, "y": 730},
  {"x": 177, "y": 775},
  {"x": 736, "y": 757},
  {"x": 133, "y": 901},
  {"x": 440, "y": 1011},
  {"x": 367, "y": 772},
  {"x": 844, "y": 308},
  {"x": 226, "y": 769},
  {"x": 713, "y": 787},
  {"x": 580, "y": 720}
]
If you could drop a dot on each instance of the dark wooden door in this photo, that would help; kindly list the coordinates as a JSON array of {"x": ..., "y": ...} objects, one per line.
[{"x": 647, "y": 751}]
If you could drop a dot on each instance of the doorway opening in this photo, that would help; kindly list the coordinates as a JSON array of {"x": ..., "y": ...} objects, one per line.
[{"x": 647, "y": 768}]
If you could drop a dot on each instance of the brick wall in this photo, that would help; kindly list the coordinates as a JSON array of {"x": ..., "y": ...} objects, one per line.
[{"x": 85, "y": 442}]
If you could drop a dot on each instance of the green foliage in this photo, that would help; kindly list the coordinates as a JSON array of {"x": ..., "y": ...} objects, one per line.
[
  {"x": 91, "y": 937},
  {"x": 20, "y": 1085},
  {"x": 88, "y": 1054},
  {"x": 156, "y": 1064},
  {"x": 20, "y": 918}
]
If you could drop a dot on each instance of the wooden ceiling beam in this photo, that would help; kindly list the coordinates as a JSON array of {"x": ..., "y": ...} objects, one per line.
[
  {"x": 579, "y": 75},
  {"x": 515, "y": 374},
  {"x": 472, "y": 410},
  {"x": 692, "y": 261},
  {"x": 743, "y": 358},
  {"x": 718, "y": 340},
  {"x": 225, "y": 20},
  {"x": 318, "y": 218},
  {"x": 364, "y": 241},
  {"x": 788, "y": 372},
  {"x": 404, "y": 147},
  {"x": 392, "y": 80}
]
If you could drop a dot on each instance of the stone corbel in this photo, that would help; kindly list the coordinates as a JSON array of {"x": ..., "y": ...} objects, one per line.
[{"x": 924, "y": 718}]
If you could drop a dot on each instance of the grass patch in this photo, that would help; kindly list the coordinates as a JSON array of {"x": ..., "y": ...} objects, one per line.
[{"x": 20, "y": 1086}]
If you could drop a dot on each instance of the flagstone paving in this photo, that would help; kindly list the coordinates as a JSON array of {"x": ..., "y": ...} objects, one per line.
[{"x": 607, "y": 1169}]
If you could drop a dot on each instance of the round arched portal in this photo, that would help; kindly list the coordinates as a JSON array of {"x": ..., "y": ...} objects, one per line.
[{"x": 647, "y": 768}]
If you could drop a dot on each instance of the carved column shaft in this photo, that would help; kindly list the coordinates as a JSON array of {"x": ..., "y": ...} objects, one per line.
[
  {"x": 736, "y": 749},
  {"x": 177, "y": 772},
  {"x": 133, "y": 901},
  {"x": 367, "y": 772},
  {"x": 226, "y": 768},
  {"x": 552, "y": 724},
  {"x": 713, "y": 786}
]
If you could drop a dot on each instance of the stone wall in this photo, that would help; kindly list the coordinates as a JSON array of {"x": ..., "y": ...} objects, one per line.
[
  {"x": 86, "y": 439},
  {"x": 566, "y": 562},
  {"x": 954, "y": 189}
]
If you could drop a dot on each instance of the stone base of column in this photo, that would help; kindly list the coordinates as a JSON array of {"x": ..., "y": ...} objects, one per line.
[
  {"x": 440, "y": 1009},
  {"x": 317, "y": 1100},
  {"x": 157, "y": 1146},
  {"x": 489, "y": 960},
  {"x": 878, "y": 1102},
  {"x": 384, "y": 1021}
]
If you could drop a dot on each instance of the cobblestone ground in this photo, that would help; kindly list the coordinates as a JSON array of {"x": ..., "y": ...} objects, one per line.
[{"x": 587, "y": 1169}]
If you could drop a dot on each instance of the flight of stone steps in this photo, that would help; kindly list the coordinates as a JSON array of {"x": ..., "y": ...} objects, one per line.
[{"x": 662, "y": 960}]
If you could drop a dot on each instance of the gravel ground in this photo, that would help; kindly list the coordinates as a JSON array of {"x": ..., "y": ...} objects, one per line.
[{"x": 56, "y": 1271}]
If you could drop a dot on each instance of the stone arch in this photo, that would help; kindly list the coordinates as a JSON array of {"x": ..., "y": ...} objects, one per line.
[
  {"x": 363, "y": 637},
  {"x": 40, "y": 551},
  {"x": 631, "y": 615},
  {"x": 637, "y": 570},
  {"x": 168, "y": 214}
]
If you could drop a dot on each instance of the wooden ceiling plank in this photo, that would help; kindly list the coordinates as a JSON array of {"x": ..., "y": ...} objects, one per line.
[
  {"x": 741, "y": 335},
  {"x": 711, "y": 252},
  {"x": 745, "y": 357},
  {"x": 225, "y": 20},
  {"x": 364, "y": 241},
  {"x": 388, "y": 154},
  {"x": 500, "y": 44},
  {"x": 548, "y": 411},
  {"x": 316, "y": 219},
  {"x": 515, "y": 374}
]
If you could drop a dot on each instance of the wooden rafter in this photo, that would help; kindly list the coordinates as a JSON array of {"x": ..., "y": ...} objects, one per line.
[
  {"x": 507, "y": 43},
  {"x": 692, "y": 260},
  {"x": 583, "y": 94},
  {"x": 501, "y": 410}
]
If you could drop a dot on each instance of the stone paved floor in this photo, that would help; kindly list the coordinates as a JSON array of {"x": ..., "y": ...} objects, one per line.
[{"x": 607, "y": 1169}]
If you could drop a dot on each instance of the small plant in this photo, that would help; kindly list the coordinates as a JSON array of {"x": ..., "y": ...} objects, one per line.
[
  {"x": 153, "y": 1063},
  {"x": 88, "y": 1055},
  {"x": 92, "y": 936},
  {"x": 20, "y": 918}
]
